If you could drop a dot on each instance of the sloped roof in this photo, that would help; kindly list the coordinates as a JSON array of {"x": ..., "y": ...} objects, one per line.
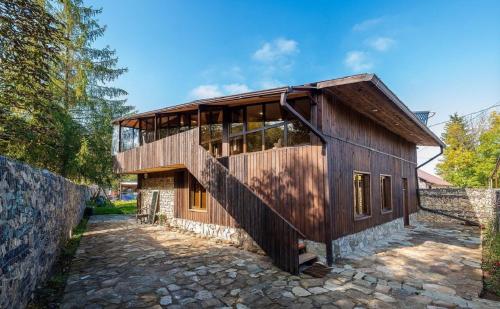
[
  {"x": 433, "y": 179},
  {"x": 365, "y": 93}
]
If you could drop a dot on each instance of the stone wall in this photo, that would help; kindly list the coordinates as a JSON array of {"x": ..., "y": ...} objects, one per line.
[
  {"x": 353, "y": 243},
  {"x": 477, "y": 205},
  {"x": 165, "y": 185},
  {"x": 233, "y": 235},
  {"x": 38, "y": 211}
]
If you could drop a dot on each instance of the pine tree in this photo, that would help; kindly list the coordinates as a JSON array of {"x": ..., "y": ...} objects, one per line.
[
  {"x": 29, "y": 117},
  {"x": 83, "y": 84}
]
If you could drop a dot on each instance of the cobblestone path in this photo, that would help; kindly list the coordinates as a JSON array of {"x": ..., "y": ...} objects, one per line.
[{"x": 121, "y": 264}]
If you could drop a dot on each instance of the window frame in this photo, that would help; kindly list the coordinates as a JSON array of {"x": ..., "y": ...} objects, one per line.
[
  {"x": 370, "y": 210},
  {"x": 283, "y": 123},
  {"x": 382, "y": 194},
  {"x": 192, "y": 181}
]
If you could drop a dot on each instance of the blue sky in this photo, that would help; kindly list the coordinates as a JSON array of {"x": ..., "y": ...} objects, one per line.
[{"x": 442, "y": 56}]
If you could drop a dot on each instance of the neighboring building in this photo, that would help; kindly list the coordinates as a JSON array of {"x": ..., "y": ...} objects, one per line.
[
  {"x": 429, "y": 181},
  {"x": 320, "y": 164},
  {"x": 127, "y": 190}
]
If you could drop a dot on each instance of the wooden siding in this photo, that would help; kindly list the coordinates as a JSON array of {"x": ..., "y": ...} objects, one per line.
[
  {"x": 271, "y": 231},
  {"x": 291, "y": 180},
  {"x": 358, "y": 143}
]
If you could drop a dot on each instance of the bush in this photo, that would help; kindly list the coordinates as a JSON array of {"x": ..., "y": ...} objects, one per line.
[{"x": 491, "y": 261}]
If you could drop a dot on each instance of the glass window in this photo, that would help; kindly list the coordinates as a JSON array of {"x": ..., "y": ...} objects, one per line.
[
  {"x": 147, "y": 130},
  {"x": 173, "y": 124},
  {"x": 194, "y": 120},
  {"x": 297, "y": 134},
  {"x": 255, "y": 117},
  {"x": 183, "y": 122},
  {"x": 303, "y": 107},
  {"x": 216, "y": 124},
  {"x": 385, "y": 193},
  {"x": 236, "y": 121},
  {"x": 236, "y": 145},
  {"x": 274, "y": 137},
  {"x": 361, "y": 184},
  {"x": 197, "y": 195},
  {"x": 205, "y": 127},
  {"x": 254, "y": 141},
  {"x": 216, "y": 148},
  {"x": 163, "y": 126},
  {"x": 273, "y": 114}
]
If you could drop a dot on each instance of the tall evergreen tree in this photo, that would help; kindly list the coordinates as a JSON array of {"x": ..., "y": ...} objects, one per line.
[
  {"x": 29, "y": 117},
  {"x": 83, "y": 81}
]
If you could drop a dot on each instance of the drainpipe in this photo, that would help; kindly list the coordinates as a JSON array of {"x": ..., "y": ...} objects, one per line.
[
  {"x": 284, "y": 104},
  {"x": 435, "y": 210}
]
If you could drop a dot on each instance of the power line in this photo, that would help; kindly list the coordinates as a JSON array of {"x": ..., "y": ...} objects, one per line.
[{"x": 480, "y": 111}]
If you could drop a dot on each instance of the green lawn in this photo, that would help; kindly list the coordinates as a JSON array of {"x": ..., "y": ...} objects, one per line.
[
  {"x": 117, "y": 207},
  {"x": 491, "y": 261}
]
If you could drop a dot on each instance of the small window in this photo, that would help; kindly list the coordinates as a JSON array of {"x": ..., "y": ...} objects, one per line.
[
  {"x": 273, "y": 114},
  {"x": 385, "y": 193},
  {"x": 197, "y": 195},
  {"x": 361, "y": 184}
]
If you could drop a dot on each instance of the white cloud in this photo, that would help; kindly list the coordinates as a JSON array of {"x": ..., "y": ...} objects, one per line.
[
  {"x": 205, "y": 91},
  {"x": 270, "y": 83},
  {"x": 276, "y": 50},
  {"x": 235, "y": 88},
  {"x": 358, "y": 61},
  {"x": 382, "y": 43},
  {"x": 214, "y": 90},
  {"x": 367, "y": 24}
]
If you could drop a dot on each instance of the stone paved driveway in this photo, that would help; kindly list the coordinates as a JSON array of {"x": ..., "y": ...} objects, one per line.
[{"x": 124, "y": 265}]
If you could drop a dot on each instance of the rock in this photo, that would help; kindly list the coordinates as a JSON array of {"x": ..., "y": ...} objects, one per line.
[
  {"x": 317, "y": 290},
  {"x": 162, "y": 291},
  {"x": 384, "y": 297},
  {"x": 202, "y": 295},
  {"x": 241, "y": 306},
  {"x": 438, "y": 288},
  {"x": 166, "y": 300},
  {"x": 309, "y": 283},
  {"x": 382, "y": 288},
  {"x": 288, "y": 294},
  {"x": 420, "y": 299},
  {"x": 300, "y": 292},
  {"x": 173, "y": 287},
  {"x": 359, "y": 275},
  {"x": 235, "y": 292},
  {"x": 344, "y": 304}
]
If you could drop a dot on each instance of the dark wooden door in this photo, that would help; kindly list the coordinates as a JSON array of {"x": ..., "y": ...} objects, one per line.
[{"x": 406, "y": 214}]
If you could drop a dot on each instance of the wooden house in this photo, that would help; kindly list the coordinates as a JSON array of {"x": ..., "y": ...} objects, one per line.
[{"x": 325, "y": 165}]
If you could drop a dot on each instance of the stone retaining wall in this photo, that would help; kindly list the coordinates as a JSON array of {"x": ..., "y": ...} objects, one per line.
[
  {"x": 38, "y": 211},
  {"x": 477, "y": 205}
]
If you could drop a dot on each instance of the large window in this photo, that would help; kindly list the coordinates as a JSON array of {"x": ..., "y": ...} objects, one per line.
[
  {"x": 170, "y": 124},
  {"x": 385, "y": 193},
  {"x": 211, "y": 131},
  {"x": 267, "y": 126},
  {"x": 197, "y": 195},
  {"x": 361, "y": 184}
]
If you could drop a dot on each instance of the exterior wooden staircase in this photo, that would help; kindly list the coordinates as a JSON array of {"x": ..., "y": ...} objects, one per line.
[{"x": 272, "y": 232}]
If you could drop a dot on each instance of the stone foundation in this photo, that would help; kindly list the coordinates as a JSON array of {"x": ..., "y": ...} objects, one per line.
[
  {"x": 165, "y": 186},
  {"x": 349, "y": 244},
  {"x": 233, "y": 235}
]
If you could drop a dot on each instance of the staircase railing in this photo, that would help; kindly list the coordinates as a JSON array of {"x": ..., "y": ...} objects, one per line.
[{"x": 276, "y": 236}]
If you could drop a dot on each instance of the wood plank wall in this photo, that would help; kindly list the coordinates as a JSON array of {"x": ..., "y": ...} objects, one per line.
[
  {"x": 338, "y": 120},
  {"x": 291, "y": 180}
]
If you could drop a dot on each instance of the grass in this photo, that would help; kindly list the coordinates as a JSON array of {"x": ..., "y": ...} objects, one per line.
[
  {"x": 491, "y": 262},
  {"x": 50, "y": 295},
  {"x": 116, "y": 208}
]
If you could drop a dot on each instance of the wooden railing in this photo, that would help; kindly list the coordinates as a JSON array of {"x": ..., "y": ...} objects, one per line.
[{"x": 271, "y": 231}]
